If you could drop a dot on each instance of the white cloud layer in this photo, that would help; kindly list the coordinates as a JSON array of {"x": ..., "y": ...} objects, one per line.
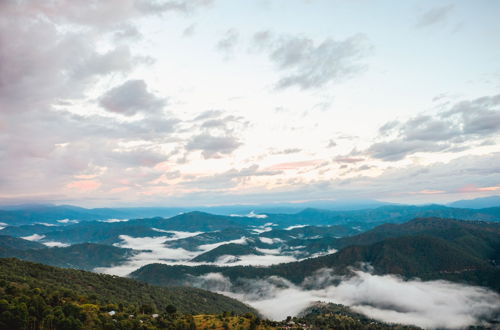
[
  {"x": 153, "y": 250},
  {"x": 388, "y": 298}
]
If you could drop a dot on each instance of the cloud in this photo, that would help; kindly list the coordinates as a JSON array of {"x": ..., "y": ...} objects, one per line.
[
  {"x": 189, "y": 31},
  {"x": 55, "y": 244},
  {"x": 213, "y": 146},
  {"x": 84, "y": 185},
  {"x": 230, "y": 178},
  {"x": 399, "y": 149},
  {"x": 154, "y": 250},
  {"x": 67, "y": 221},
  {"x": 185, "y": 6},
  {"x": 349, "y": 160},
  {"x": 287, "y": 151},
  {"x": 295, "y": 165},
  {"x": 130, "y": 98},
  {"x": 228, "y": 42},
  {"x": 47, "y": 67},
  {"x": 480, "y": 116},
  {"x": 435, "y": 15},
  {"x": 307, "y": 63},
  {"x": 55, "y": 57},
  {"x": 34, "y": 237},
  {"x": 428, "y": 304},
  {"x": 464, "y": 125}
]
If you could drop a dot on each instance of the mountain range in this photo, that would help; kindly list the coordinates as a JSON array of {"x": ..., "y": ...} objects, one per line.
[
  {"x": 428, "y": 248},
  {"x": 235, "y": 254}
]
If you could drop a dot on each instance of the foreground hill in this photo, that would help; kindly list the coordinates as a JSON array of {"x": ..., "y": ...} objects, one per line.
[
  {"x": 107, "y": 289},
  {"x": 35, "y": 296},
  {"x": 467, "y": 254}
]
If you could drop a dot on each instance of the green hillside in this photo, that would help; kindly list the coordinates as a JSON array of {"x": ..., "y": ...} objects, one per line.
[
  {"x": 9, "y": 242},
  {"x": 470, "y": 233},
  {"x": 108, "y": 289},
  {"x": 85, "y": 256},
  {"x": 226, "y": 249}
]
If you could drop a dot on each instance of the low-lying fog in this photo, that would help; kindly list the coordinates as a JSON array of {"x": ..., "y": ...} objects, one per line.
[
  {"x": 388, "y": 298},
  {"x": 153, "y": 250}
]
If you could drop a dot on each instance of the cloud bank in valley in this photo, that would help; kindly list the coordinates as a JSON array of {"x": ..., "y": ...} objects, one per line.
[
  {"x": 387, "y": 298},
  {"x": 153, "y": 250}
]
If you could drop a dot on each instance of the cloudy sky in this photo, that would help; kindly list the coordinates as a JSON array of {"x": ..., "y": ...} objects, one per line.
[{"x": 204, "y": 102}]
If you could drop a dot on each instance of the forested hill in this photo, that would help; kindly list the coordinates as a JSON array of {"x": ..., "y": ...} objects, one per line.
[
  {"x": 34, "y": 296},
  {"x": 107, "y": 289},
  {"x": 85, "y": 256}
]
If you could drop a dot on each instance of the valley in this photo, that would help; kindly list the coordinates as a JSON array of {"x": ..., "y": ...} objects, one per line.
[{"x": 312, "y": 255}]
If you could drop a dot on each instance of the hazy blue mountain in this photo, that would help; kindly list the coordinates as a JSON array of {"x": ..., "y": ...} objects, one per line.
[
  {"x": 94, "y": 232},
  {"x": 312, "y": 213},
  {"x": 32, "y": 213},
  {"x": 28, "y": 230},
  {"x": 80, "y": 256},
  {"x": 51, "y": 214},
  {"x": 9, "y": 242},
  {"x": 369, "y": 218},
  {"x": 477, "y": 203}
]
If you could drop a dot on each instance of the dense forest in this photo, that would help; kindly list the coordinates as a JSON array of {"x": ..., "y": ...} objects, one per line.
[{"x": 34, "y": 296}]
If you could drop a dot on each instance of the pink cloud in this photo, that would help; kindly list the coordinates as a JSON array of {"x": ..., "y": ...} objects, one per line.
[
  {"x": 430, "y": 192},
  {"x": 119, "y": 189},
  {"x": 470, "y": 188},
  {"x": 84, "y": 185},
  {"x": 295, "y": 165}
]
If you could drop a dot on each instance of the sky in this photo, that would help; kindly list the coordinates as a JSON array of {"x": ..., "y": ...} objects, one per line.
[{"x": 212, "y": 102}]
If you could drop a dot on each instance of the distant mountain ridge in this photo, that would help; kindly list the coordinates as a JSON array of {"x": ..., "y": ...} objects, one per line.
[{"x": 477, "y": 203}]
